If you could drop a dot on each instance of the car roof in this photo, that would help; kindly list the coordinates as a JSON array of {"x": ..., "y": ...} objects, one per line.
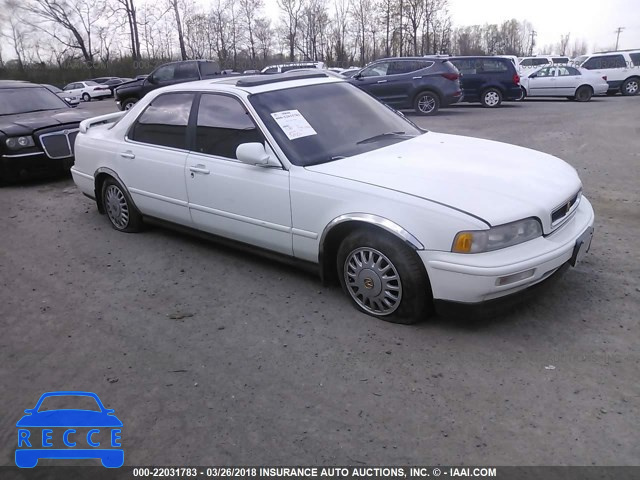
[
  {"x": 257, "y": 83},
  {"x": 17, "y": 84}
]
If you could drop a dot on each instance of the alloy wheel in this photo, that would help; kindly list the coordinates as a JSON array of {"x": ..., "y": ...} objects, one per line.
[
  {"x": 426, "y": 104},
  {"x": 116, "y": 206},
  {"x": 373, "y": 281}
]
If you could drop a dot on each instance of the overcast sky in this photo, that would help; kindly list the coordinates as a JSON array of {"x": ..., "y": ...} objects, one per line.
[{"x": 595, "y": 21}]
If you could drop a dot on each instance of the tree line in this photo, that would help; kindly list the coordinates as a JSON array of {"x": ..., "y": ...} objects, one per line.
[{"x": 128, "y": 37}]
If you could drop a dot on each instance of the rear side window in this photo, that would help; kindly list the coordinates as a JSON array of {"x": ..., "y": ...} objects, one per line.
[
  {"x": 209, "y": 68},
  {"x": 605, "y": 62},
  {"x": 403, "y": 66},
  {"x": 223, "y": 124},
  {"x": 635, "y": 58},
  {"x": 271, "y": 70},
  {"x": 567, "y": 71},
  {"x": 560, "y": 60},
  {"x": 165, "y": 73},
  {"x": 187, "y": 71},
  {"x": 164, "y": 122},
  {"x": 527, "y": 62},
  {"x": 465, "y": 66},
  {"x": 493, "y": 65},
  {"x": 540, "y": 61}
]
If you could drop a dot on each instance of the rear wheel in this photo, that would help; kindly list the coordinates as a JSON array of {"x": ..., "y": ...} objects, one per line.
[
  {"x": 122, "y": 214},
  {"x": 630, "y": 87},
  {"x": 583, "y": 94},
  {"x": 523, "y": 93},
  {"x": 491, "y": 98},
  {"x": 383, "y": 277},
  {"x": 426, "y": 103}
]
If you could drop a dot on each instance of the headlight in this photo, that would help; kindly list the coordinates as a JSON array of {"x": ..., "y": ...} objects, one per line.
[
  {"x": 16, "y": 143},
  {"x": 68, "y": 99},
  {"x": 495, "y": 238}
]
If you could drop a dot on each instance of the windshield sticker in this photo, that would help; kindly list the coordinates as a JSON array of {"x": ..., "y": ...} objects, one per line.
[{"x": 293, "y": 124}]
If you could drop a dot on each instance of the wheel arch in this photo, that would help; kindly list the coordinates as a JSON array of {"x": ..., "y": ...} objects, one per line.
[
  {"x": 341, "y": 226},
  {"x": 100, "y": 175}
]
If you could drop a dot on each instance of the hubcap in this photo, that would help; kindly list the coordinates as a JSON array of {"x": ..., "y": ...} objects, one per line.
[
  {"x": 373, "y": 281},
  {"x": 426, "y": 104},
  {"x": 128, "y": 106},
  {"x": 632, "y": 87},
  {"x": 116, "y": 206},
  {"x": 491, "y": 99}
]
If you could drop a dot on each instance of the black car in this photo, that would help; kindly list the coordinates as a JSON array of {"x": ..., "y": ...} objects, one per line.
[
  {"x": 168, "y": 74},
  {"x": 37, "y": 131},
  {"x": 114, "y": 83},
  {"x": 424, "y": 84},
  {"x": 488, "y": 80}
]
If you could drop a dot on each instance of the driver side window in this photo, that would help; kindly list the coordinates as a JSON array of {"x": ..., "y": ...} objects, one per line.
[
  {"x": 545, "y": 72},
  {"x": 164, "y": 74},
  {"x": 223, "y": 124},
  {"x": 377, "y": 70}
]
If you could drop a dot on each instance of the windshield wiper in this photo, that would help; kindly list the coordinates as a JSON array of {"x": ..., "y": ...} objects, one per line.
[{"x": 382, "y": 136}]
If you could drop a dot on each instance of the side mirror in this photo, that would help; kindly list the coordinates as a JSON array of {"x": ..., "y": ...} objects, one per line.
[
  {"x": 150, "y": 80},
  {"x": 253, "y": 154},
  {"x": 358, "y": 76},
  {"x": 533, "y": 75}
]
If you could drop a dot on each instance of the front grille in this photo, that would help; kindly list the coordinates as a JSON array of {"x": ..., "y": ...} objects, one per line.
[
  {"x": 563, "y": 210},
  {"x": 59, "y": 144}
]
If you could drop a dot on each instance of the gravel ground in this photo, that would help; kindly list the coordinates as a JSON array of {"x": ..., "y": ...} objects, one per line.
[{"x": 212, "y": 356}]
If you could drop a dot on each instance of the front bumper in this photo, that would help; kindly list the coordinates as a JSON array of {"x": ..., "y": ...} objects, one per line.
[
  {"x": 15, "y": 167},
  {"x": 476, "y": 278}
]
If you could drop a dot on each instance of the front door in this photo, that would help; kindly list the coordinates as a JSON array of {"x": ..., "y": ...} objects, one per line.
[
  {"x": 229, "y": 198},
  {"x": 542, "y": 83}
]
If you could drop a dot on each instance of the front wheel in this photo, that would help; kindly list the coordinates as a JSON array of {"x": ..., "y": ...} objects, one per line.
[
  {"x": 86, "y": 97},
  {"x": 383, "y": 277},
  {"x": 583, "y": 94},
  {"x": 122, "y": 214},
  {"x": 523, "y": 94},
  {"x": 491, "y": 98},
  {"x": 630, "y": 87},
  {"x": 128, "y": 103},
  {"x": 426, "y": 103}
]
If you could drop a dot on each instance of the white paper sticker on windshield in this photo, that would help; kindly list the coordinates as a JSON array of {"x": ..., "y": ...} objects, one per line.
[{"x": 293, "y": 124}]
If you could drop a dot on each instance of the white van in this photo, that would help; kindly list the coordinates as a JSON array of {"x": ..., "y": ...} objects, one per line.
[{"x": 621, "y": 68}]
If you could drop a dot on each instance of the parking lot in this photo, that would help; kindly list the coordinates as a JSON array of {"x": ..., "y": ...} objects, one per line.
[{"x": 212, "y": 356}]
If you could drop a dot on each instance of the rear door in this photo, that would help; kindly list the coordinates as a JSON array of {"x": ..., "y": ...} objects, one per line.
[
  {"x": 567, "y": 79},
  {"x": 152, "y": 159},
  {"x": 470, "y": 76}
]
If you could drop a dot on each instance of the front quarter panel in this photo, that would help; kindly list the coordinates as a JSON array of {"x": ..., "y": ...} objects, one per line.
[{"x": 317, "y": 199}]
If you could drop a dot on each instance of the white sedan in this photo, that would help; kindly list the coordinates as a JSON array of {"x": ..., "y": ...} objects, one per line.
[
  {"x": 88, "y": 90},
  {"x": 310, "y": 167},
  {"x": 564, "y": 81}
]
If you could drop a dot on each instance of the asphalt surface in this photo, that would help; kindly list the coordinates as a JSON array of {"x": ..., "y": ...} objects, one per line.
[{"x": 212, "y": 356}]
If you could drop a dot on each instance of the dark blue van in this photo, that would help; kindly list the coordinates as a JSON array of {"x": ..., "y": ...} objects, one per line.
[{"x": 488, "y": 80}]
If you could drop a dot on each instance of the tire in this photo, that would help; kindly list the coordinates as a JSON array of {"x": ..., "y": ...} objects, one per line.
[
  {"x": 611, "y": 93},
  {"x": 408, "y": 297},
  {"x": 630, "y": 87},
  {"x": 120, "y": 210},
  {"x": 571, "y": 98},
  {"x": 426, "y": 103},
  {"x": 583, "y": 93},
  {"x": 86, "y": 97},
  {"x": 523, "y": 94},
  {"x": 128, "y": 103},
  {"x": 491, "y": 98}
]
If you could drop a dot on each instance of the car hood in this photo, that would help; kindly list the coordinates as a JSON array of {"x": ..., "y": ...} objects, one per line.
[
  {"x": 493, "y": 181},
  {"x": 69, "y": 418},
  {"x": 131, "y": 84},
  {"x": 27, "y": 123}
]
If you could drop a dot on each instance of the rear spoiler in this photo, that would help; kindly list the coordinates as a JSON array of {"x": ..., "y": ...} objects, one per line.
[{"x": 85, "y": 125}]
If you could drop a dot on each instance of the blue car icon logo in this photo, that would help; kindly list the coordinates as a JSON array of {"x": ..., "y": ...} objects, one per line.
[{"x": 93, "y": 433}]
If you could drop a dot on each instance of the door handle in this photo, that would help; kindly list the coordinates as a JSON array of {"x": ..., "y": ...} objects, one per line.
[
  {"x": 199, "y": 169},
  {"x": 416, "y": 78},
  {"x": 381, "y": 81},
  {"x": 130, "y": 155}
]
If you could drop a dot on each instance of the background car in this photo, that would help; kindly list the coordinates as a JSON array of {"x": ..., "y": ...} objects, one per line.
[
  {"x": 621, "y": 68},
  {"x": 282, "y": 68},
  {"x": 251, "y": 72},
  {"x": 88, "y": 90},
  {"x": 488, "y": 80},
  {"x": 423, "y": 84},
  {"x": 564, "y": 81},
  {"x": 37, "y": 131},
  {"x": 129, "y": 93},
  {"x": 102, "y": 80},
  {"x": 71, "y": 99},
  {"x": 113, "y": 83}
]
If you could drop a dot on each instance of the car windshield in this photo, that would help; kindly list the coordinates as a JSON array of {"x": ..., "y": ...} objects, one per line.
[
  {"x": 91, "y": 83},
  {"x": 24, "y": 100},
  {"x": 69, "y": 402},
  {"x": 321, "y": 123},
  {"x": 580, "y": 60}
]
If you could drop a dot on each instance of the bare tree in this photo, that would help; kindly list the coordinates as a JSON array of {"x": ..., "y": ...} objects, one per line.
[
  {"x": 175, "y": 6},
  {"x": 564, "y": 44},
  {"x": 291, "y": 14},
  {"x": 16, "y": 34},
  {"x": 264, "y": 35},
  {"x": 250, "y": 10},
  {"x": 131, "y": 17}
]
